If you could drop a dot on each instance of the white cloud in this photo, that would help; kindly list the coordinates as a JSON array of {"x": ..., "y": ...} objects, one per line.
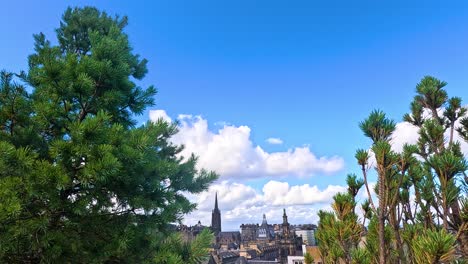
[
  {"x": 240, "y": 203},
  {"x": 404, "y": 133},
  {"x": 182, "y": 116},
  {"x": 280, "y": 193},
  {"x": 274, "y": 141},
  {"x": 231, "y": 153},
  {"x": 154, "y": 115}
]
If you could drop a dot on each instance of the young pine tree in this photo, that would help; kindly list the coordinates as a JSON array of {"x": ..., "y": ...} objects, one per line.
[{"x": 339, "y": 231}]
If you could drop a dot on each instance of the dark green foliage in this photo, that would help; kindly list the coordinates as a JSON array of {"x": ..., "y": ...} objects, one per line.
[
  {"x": 339, "y": 231},
  {"x": 360, "y": 256},
  {"x": 308, "y": 259},
  {"x": 434, "y": 247},
  {"x": 173, "y": 250},
  {"x": 372, "y": 242},
  {"x": 79, "y": 183},
  {"x": 354, "y": 184},
  {"x": 377, "y": 126}
]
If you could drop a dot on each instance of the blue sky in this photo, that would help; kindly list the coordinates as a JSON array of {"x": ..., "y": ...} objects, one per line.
[{"x": 303, "y": 71}]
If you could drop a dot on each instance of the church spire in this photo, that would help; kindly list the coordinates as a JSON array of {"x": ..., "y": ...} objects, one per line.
[
  {"x": 285, "y": 224},
  {"x": 216, "y": 217}
]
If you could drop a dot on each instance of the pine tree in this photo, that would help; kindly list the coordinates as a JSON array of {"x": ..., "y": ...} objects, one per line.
[
  {"x": 79, "y": 182},
  {"x": 339, "y": 231},
  {"x": 435, "y": 114},
  {"x": 379, "y": 129}
]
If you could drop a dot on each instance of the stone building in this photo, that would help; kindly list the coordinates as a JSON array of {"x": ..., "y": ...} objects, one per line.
[
  {"x": 288, "y": 241},
  {"x": 255, "y": 233},
  {"x": 256, "y": 242},
  {"x": 249, "y": 232},
  {"x": 224, "y": 240},
  {"x": 229, "y": 240},
  {"x": 265, "y": 231},
  {"x": 190, "y": 232}
]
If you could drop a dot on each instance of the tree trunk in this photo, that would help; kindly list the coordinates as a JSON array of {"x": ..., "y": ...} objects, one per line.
[
  {"x": 463, "y": 240},
  {"x": 381, "y": 219},
  {"x": 381, "y": 239},
  {"x": 445, "y": 210},
  {"x": 452, "y": 128},
  {"x": 396, "y": 230}
]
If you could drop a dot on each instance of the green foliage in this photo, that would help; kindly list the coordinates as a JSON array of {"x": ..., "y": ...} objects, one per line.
[
  {"x": 372, "y": 242},
  {"x": 365, "y": 206},
  {"x": 339, "y": 231},
  {"x": 174, "y": 250},
  {"x": 360, "y": 256},
  {"x": 416, "y": 116},
  {"x": 79, "y": 183},
  {"x": 377, "y": 126},
  {"x": 308, "y": 259},
  {"x": 433, "y": 247},
  {"x": 430, "y": 93},
  {"x": 362, "y": 156},
  {"x": 354, "y": 184},
  {"x": 454, "y": 110}
]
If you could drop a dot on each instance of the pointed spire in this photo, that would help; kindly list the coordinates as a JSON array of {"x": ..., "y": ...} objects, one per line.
[
  {"x": 264, "y": 222},
  {"x": 285, "y": 217},
  {"x": 285, "y": 224},
  {"x": 216, "y": 217}
]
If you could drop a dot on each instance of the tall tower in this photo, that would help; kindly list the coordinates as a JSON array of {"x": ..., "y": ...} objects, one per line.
[
  {"x": 286, "y": 230},
  {"x": 288, "y": 241},
  {"x": 216, "y": 217}
]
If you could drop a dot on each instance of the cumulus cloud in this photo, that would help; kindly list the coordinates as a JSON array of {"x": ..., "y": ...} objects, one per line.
[
  {"x": 280, "y": 193},
  {"x": 274, "y": 141},
  {"x": 240, "y": 203},
  {"x": 154, "y": 115},
  {"x": 404, "y": 133},
  {"x": 231, "y": 153}
]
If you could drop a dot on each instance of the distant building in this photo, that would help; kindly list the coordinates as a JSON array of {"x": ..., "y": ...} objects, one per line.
[
  {"x": 260, "y": 244},
  {"x": 224, "y": 240},
  {"x": 296, "y": 260},
  {"x": 265, "y": 231},
  {"x": 308, "y": 236},
  {"x": 312, "y": 250},
  {"x": 288, "y": 241},
  {"x": 190, "y": 232},
  {"x": 249, "y": 232},
  {"x": 255, "y": 233},
  {"x": 229, "y": 240}
]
